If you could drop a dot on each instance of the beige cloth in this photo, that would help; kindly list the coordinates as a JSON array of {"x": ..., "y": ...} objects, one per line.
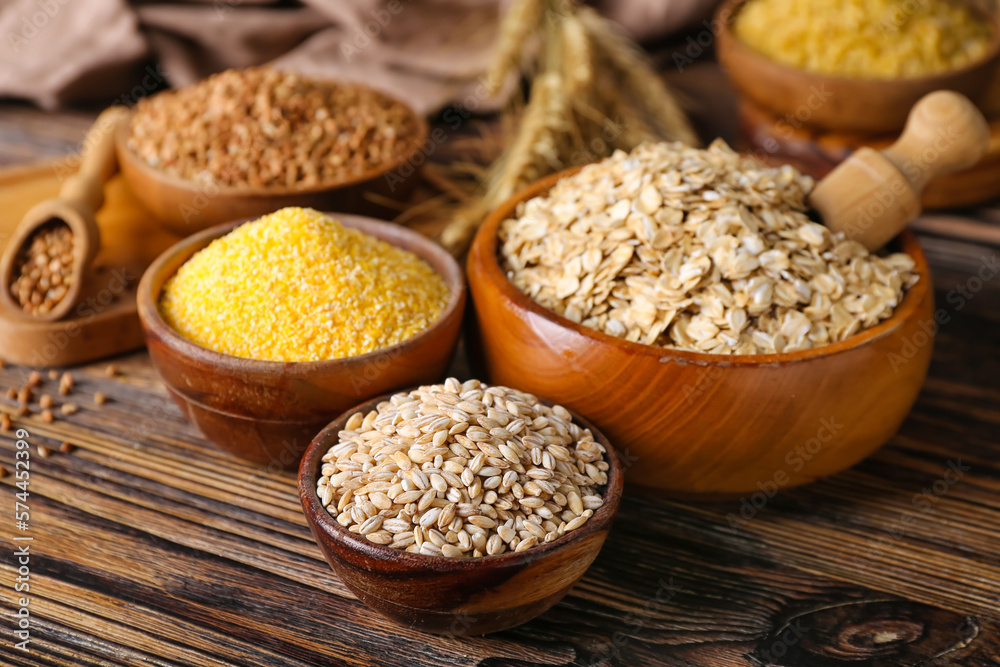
[{"x": 427, "y": 52}]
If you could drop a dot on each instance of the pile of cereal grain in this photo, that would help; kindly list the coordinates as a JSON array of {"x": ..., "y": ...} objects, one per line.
[
  {"x": 701, "y": 250},
  {"x": 260, "y": 127},
  {"x": 463, "y": 469},
  {"x": 871, "y": 39},
  {"x": 296, "y": 285}
]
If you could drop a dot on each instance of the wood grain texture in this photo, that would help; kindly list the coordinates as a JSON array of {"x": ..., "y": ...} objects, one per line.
[{"x": 153, "y": 548}]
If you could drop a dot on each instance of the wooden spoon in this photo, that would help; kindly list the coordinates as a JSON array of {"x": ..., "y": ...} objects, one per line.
[
  {"x": 79, "y": 199},
  {"x": 873, "y": 195}
]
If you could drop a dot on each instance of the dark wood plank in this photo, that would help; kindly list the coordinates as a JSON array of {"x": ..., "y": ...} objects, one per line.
[{"x": 153, "y": 548}]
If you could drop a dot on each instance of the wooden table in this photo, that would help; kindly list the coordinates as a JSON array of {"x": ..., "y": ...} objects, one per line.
[{"x": 151, "y": 548}]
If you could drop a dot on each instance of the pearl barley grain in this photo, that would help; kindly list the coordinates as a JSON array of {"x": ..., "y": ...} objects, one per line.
[{"x": 455, "y": 495}]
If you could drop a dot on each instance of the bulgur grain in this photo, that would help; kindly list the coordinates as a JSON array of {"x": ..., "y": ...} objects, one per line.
[
  {"x": 68, "y": 409},
  {"x": 5, "y": 423},
  {"x": 47, "y": 416},
  {"x": 111, "y": 371},
  {"x": 44, "y": 451},
  {"x": 25, "y": 395},
  {"x": 53, "y": 374},
  {"x": 67, "y": 448},
  {"x": 329, "y": 291},
  {"x": 100, "y": 398},
  {"x": 34, "y": 379},
  {"x": 45, "y": 401}
]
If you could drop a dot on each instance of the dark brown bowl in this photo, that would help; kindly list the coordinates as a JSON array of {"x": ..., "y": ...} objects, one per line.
[
  {"x": 807, "y": 98},
  {"x": 268, "y": 411},
  {"x": 185, "y": 207},
  {"x": 708, "y": 425},
  {"x": 455, "y": 596}
]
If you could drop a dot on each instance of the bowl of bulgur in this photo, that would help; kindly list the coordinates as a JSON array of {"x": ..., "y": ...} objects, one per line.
[
  {"x": 476, "y": 509},
  {"x": 856, "y": 66},
  {"x": 264, "y": 330},
  {"x": 685, "y": 302},
  {"x": 243, "y": 143}
]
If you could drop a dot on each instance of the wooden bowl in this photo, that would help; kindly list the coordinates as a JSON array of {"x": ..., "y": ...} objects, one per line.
[
  {"x": 800, "y": 97},
  {"x": 700, "y": 424},
  {"x": 457, "y": 596},
  {"x": 268, "y": 411},
  {"x": 184, "y": 207}
]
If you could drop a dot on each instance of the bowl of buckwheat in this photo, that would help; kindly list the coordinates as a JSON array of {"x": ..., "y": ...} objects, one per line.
[
  {"x": 460, "y": 508},
  {"x": 688, "y": 303},
  {"x": 243, "y": 143}
]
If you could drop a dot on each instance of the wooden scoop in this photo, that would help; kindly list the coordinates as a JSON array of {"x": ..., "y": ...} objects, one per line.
[
  {"x": 79, "y": 199},
  {"x": 873, "y": 195}
]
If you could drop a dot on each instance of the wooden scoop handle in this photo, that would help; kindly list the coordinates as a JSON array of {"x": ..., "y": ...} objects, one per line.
[
  {"x": 872, "y": 195},
  {"x": 98, "y": 163}
]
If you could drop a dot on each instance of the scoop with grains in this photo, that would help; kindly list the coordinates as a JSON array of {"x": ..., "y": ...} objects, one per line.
[
  {"x": 463, "y": 469},
  {"x": 701, "y": 250}
]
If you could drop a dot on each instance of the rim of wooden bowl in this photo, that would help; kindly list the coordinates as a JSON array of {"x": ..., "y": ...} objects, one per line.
[
  {"x": 181, "y": 252},
  {"x": 485, "y": 251},
  {"x": 417, "y": 145},
  {"x": 309, "y": 469},
  {"x": 733, "y": 7}
]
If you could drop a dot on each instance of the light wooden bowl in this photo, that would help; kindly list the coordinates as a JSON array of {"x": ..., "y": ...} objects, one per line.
[
  {"x": 842, "y": 103},
  {"x": 456, "y": 596},
  {"x": 268, "y": 411},
  {"x": 698, "y": 424},
  {"x": 184, "y": 207}
]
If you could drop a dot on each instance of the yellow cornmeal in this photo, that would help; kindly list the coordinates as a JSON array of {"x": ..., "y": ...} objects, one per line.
[
  {"x": 873, "y": 39},
  {"x": 296, "y": 285}
]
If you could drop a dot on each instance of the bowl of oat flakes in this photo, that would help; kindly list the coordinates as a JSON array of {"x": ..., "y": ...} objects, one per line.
[
  {"x": 243, "y": 143},
  {"x": 686, "y": 303}
]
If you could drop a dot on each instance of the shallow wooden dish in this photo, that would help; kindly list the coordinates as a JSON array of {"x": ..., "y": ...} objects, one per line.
[
  {"x": 455, "y": 596},
  {"x": 184, "y": 207},
  {"x": 701, "y": 424},
  {"x": 268, "y": 411},
  {"x": 840, "y": 103}
]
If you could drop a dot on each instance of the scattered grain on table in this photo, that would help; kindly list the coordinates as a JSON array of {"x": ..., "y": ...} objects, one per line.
[
  {"x": 100, "y": 398},
  {"x": 67, "y": 448},
  {"x": 69, "y": 409}
]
